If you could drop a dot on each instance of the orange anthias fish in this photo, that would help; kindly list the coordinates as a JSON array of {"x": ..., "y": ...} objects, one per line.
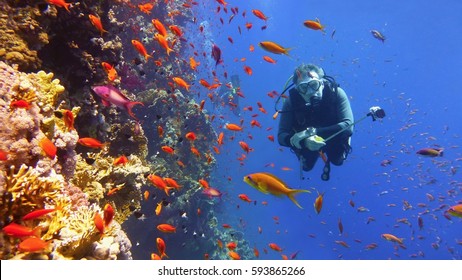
[
  {"x": 343, "y": 243},
  {"x": 248, "y": 70},
  {"x": 166, "y": 228},
  {"x": 33, "y": 244},
  {"x": 146, "y": 195},
  {"x": 256, "y": 252},
  {"x": 99, "y": 223},
  {"x": 193, "y": 64},
  {"x": 182, "y": 83},
  {"x": 48, "y": 147},
  {"x": 314, "y": 24},
  {"x": 204, "y": 83},
  {"x": 122, "y": 160},
  {"x": 275, "y": 247},
  {"x": 222, "y": 2},
  {"x": 159, "y": 183},
  {"x": 233, "y": 127},
  {"x": 91, "y": 143},
  {"x": 201, "y": 106},
  {"x": 68, "y": 118},
  {"x": 146, "y": 8},
  {"x": 20, "y": 104},
  {"x": 113, "y": 191},
  {"x": 160, "y": 131},
  {"x": 159, "y": 27},
  {"x": 155, "y": 257},
  {"x": 38, "y": 213},
  {"x": 220, "y": 138},
  {"x": 108, "y": 214},
  {"x": 161, "y": 247},
  {"x": 245, "y": 146},
  {"x": 171, "y": 183},
  {"x": 274, "y": 48},
  {"x": 269, "y": 59},
  {"x": 110, "y": 71},
  {"x": 16, "y": 230},
  {"x": 191, "y": 136},
  {"x": 204, "y": 183},
  {"x": 391, "y": 237},
  {"x": 96, "y": 21},
  {"x": 259, "y": 14},
  {"x": 163, "y": 42},
  {"x": 318, "y": 203},
  {"x": 211, "y": 192},
  {"x": 245, "y": 198},
  {"x": 269, "y": 184},
  {"x": 220, "y": 244},
  {"x": 234, "y": 255},
  {"x": 60, "y": 3},
  {"x": 195, "y": 152},
  {"x": 141, "y": 49},
  {"x": 3, "y": 155},
  {"x": 168, "y": 149},
  {"x": 158, "y": 208},
  {"x": 231, "y": 246},
  {"x": 176, "y": 30}
]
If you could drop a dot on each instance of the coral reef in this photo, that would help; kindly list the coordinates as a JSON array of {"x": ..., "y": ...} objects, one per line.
[
  {"x": 21, "y": 35},
  {"x": 29, "y": 126},
  {"x": 101, "y": 177},
  {"x": 26, "y": 190},
  {"x": 49, "y": 59},
  {"x": 33, "y": 178}
]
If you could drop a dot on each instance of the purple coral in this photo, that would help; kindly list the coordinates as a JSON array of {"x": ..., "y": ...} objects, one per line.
[{"x": 77, "y": 196}]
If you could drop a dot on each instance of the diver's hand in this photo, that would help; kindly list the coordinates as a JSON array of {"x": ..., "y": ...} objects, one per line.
[
  {"x": 299, "y": 136},
  {"x": 314, "y": 143}
]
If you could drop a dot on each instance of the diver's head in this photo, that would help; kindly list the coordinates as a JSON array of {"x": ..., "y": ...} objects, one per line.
[{"x": 308, "y": 80}]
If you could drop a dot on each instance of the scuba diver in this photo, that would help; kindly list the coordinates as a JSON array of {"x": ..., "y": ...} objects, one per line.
[
  {"x": 316, "y": 109},
  {"x": 228, "y": 94}
]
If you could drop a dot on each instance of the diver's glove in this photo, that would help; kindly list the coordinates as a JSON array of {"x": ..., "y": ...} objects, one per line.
[
  {"x": 314, "y": 143},
  {"x": 296, "y": 139}
]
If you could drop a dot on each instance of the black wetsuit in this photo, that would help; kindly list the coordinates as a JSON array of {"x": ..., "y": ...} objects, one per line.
[{"x": 330, "y": 116}]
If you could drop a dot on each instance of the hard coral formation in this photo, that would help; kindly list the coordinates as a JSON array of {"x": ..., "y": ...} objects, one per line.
[
  {"x": 27, "y": 127},
  {"x": 101, "y": 176},
  {"x": 26, "y": 190},
  {"x": 21, "y": 35},
  {"x": 81, "y": 240},
  {"x": 32, "y": 179}
]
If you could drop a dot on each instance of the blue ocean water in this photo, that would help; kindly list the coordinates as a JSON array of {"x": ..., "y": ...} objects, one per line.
[{"x": 413, "y": 75}]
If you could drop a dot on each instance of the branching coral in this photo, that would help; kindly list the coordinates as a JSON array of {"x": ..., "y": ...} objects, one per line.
[
  {"x": 27, "y": 191},
  {"x": 97, "y": 179},
  {"x": 80, "y": 239}
]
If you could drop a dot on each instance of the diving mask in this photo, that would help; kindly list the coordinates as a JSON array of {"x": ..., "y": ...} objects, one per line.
[
  {"x": 309, "y": 87},
  {"x": 311, "y": 90}
]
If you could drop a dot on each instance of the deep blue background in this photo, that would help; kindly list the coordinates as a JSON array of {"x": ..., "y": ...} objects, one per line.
[{"x": 414, "y": 76}]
